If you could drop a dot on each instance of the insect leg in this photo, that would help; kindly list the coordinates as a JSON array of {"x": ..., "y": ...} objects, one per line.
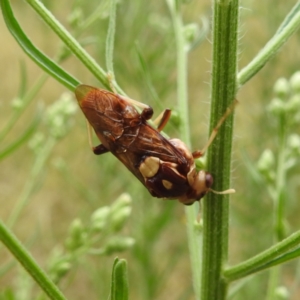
[
  {"x": 214, "y": 133},
  {"x": 162, "y": 120},
  {"x": 147, "y": 112},
  {"x": 100, "y": 149},
  {"x": 134, "y": 102}
]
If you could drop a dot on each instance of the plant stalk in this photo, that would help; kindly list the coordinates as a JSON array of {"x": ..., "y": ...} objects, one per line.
[
  {"x": 194, "y": 238},
  {"x": 215, "y": 207},
  {"x": 35, "y": 271}
]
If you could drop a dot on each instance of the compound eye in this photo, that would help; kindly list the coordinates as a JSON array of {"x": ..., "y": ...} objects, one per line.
[
  {"x": 202, "y": 183},
  {"x": 147, "y": 113},
  {"x": 208, "y": 180}
]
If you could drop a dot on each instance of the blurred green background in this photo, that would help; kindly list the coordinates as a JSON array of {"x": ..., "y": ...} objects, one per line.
[{"x": 74, "y": 182}]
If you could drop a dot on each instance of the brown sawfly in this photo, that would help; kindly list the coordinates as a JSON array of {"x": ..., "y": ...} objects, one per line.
[{"x": 164, "y": 166}]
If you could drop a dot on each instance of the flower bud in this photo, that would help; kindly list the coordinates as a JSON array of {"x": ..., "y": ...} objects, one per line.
[
  {"x": 36, "y": 142},
  {"x": 175, "y": 118},
  {"x": 293, "y": 105},
  {"x": 294, "y": 142},
  {"x": 281, "y": 87},
  {"x": 198, "y": 226},
  {"x": 75, "y": 18},
  {"x": 61, "y": 269},
  {"x": 123, "y": 200},
  {"x": 17, "y": 103},
  {"x": 277, "y": 106},
  {"x": 76, "y": 235},
  {"x": 100, "y": 218},
  {"x": 58, "y": 115},
  {"x": 266, "y": 163},
  {"x": 282, "y": 293},
  {"x": 191, "y": 32},
  {"x": 120, "y": 217},
  {"x": 295, "y": 82},
  {"x": 118, "y": 244}
]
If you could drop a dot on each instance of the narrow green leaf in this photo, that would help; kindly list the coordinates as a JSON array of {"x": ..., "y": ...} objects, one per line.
[
  {"x": 289, "y": 26},
  {"x": 69, "y": 41},
  {"x": 35, "y": 54},
  {"x": 23, "y": 138},
  {"x": 284, "y": 258},
  {"x": 119, "y": 281},
  {"x": 270, "y": 257},
  {"x": 73, "y": 44},
  {"x": 26, "y": 100},
  {"x": 146, "y": 76},
  {"x": 275, "y": 262},
  {"x": 110, "y": 39},
  {"x": 20, "y": 253},
  {"x": 289, "y": 17},
  {"x": 23, "y": 80}
]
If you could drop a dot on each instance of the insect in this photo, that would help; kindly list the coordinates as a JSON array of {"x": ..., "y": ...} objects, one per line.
[{"x": 165, "y": 167}]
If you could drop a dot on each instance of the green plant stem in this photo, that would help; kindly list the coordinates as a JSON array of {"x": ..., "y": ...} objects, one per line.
[
  {"x": 182, "y": 92},
  {"x": 26, "y": 134},
  {"x": 72, "y": 44},
  {"x": 279, "y": 199},
  {"x": 32, "y": 180},
  {"x": 215, "y": 207},
  {"x": 289, "y": 26},
  {"x": 194, "y": 239},
  {"x": 27, "y": 99},
  {"x": 34, "y": 53},
  {"x": 273, "y": 280},
  {"x": 17, "y": 249},
  {"x": 94, "y": 16},
  {"x": 68, "y": 40},
  {"x": 264, "y": 259},
  {"x": 109, "y": 49}
]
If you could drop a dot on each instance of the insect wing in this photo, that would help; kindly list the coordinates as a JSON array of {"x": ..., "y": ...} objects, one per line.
[
  {"x": 125, "y": 133},
  {"x": 106, "y": 112},
  {"x": 151, "y": 143},
  {"x": 115, "y": 122}
]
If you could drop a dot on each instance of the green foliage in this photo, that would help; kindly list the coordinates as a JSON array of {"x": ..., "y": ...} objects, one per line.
[
  {"x": 149, "y": 50},
  {"x": 119, "y": 280}
]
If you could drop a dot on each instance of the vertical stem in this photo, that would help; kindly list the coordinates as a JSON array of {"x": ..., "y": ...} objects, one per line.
[
  {"x": 31, "y": 183},
  {"x": 215, "y": 207},
  {"x": 26, "y": 101},
  {"x": 279, "y": 203},
  {"x": 280, "y": 181},
  {"x": 190, "y": 212},
  {"x": 274, "y": 274},
  {"x": 194, "y": 239},
  {"x": 110, "y": 39}
]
